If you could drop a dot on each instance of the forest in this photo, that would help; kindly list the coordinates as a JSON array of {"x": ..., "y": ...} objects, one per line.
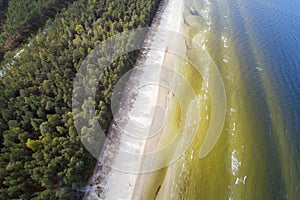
[
  {"x": 41, "y": 155},
  {"x": 20, "y": 19}
]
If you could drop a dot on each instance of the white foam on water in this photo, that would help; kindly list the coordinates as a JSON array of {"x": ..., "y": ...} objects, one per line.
[
  {"x": 192, "y": 155},
  {"x": 226, "y": 58},
  {"x": 235, "y": 163},
  {"x": 234, "y": 126},
  {"x": 259, "y": 69},
  {"x": 241, "y": 180}
]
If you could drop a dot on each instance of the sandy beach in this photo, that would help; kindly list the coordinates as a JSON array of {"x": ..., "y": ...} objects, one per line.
[
  {"x": 146, "y": 186},
  {"x": 146, "y": 109}
]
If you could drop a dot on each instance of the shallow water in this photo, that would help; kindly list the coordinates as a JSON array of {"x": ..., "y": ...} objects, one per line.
[{"x": 256, "y": 47}]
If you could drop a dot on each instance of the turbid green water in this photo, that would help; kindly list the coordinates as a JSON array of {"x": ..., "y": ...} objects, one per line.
[{"x": 256, "y": 47}]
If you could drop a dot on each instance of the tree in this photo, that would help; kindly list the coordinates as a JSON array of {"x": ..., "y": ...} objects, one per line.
[
  {"x": 79, "y": 29},
  {"x": 32, "y": 144}
]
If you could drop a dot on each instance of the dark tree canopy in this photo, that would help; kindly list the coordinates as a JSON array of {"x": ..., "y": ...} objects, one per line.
[{"x": 41, "y": 154}]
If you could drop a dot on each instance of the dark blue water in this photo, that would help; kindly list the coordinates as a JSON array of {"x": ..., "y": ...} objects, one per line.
[
  {"x": 265, "y": 36},
  {"x": 277, "y": 26}
]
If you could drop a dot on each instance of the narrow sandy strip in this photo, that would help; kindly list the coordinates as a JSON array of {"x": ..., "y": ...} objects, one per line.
[{"x": 165, "y": 98}]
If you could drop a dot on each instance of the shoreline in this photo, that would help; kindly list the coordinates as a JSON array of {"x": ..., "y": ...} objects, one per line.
[{"x": 165, "y": 98}]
